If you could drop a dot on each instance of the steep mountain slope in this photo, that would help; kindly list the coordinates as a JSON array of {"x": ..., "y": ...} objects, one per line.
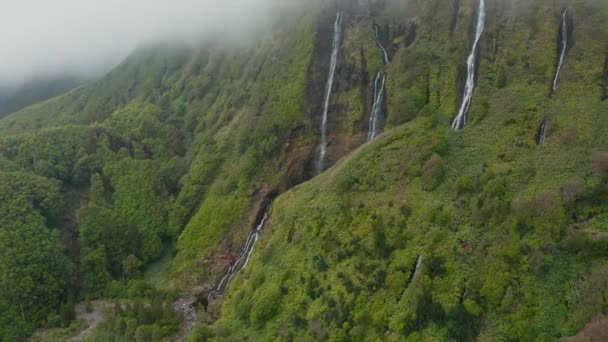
[
  {"x": 151, "y": 184},
  {"x": 178, "y": 141},
  {"x": 432, "y": 235}
]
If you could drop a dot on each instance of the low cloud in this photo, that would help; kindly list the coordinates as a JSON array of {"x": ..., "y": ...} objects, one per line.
[{"x": 41, "y": 37}]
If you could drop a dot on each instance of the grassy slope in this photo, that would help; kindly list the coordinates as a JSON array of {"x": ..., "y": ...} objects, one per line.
[{"x": 341, "y": 248}]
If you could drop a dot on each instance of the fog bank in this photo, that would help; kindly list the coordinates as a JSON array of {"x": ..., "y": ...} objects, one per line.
[{"x": 41, "y": 37}]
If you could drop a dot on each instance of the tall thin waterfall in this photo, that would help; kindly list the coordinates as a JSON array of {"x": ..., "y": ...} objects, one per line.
[
  {"x": 379, "y": 43},
  {"x": 461, "y": 118},
  {"x": 243, "y": 259},
  {"x": 562, "y": 54},
  {"x": 542, "y": 132},
  {"x": 379, "y": 87},
  {"x": 416, "y": 269},
  {"x": 330, "y": 82}
]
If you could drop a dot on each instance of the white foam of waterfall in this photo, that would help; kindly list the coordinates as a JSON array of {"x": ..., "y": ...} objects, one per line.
[
  {"x": 379, "y": 43},
  {"x": 328, "y": 88},
  {"x": 379, "y": 88},
  {"x": 461, "y": 118},
  {"x": 243, "y": 259},
  {"x": 374, "y": 118},
  {"x": 562, "y": 54},
  {"x": 418, "y": 263}
]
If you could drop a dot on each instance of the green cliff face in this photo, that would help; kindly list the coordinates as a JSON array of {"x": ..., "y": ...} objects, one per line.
[{"x": 144, "y": 185}]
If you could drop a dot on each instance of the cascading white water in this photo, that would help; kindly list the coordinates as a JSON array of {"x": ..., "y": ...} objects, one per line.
[
  {"x": 379, "y": 86},
  {"x": 562, "y": 54},
  {"x": 379, "y": 43},
  {"x": 243, "y": 259},
  {"x": 461, "y": 118},
  {"x": 374, "y": 117},
  {"x": 328, "y": 88},
  {"x": 418, "y": 263},
  {"x": 542, "y": 133}
]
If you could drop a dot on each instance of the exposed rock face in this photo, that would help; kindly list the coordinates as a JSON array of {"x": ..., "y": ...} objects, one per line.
[
  {"x": 411, "y": 34},
  {"x": 350, "y": 102},
  {"x": 186, "y": 308}
]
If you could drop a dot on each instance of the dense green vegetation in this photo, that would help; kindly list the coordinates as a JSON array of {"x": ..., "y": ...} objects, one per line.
[
  {"x": 34, "y": 270},
  {"x": 138, "y": 321},
  {"x": 141, "y": 187},
  {"x": 511, "y": 234},
  {"x": 132, "y": 178}
]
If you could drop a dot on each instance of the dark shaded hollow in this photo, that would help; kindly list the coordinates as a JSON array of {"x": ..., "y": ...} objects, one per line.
[
  {"x": 541, "y": 134},
  {"x": 455, "y": 10},
  {"x": 411, "y": 34}
]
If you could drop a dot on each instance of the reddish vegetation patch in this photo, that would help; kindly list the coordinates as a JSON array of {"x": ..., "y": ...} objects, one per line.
[{"x": 596, "y": 330}]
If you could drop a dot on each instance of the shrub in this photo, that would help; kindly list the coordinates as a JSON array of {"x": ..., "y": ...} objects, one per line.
[
  {"x": 265, "y": 305},
  {"x": 433, "y": 172},
  {"x": 201, "y": 333},
  {"x": 464, "y": 185},
  {"x": 569, "y": 136},
  {"x": 573, "y": 190},
  {"x": 501, "y": 78}
]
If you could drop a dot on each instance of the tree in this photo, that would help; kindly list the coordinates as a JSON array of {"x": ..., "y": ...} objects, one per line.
[
  {"x": 130, "y": 265},
  {"x": 34, "y": 272}
]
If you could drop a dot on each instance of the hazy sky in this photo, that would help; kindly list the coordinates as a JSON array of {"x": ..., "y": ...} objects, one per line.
[{"x": 42, "y": 36}]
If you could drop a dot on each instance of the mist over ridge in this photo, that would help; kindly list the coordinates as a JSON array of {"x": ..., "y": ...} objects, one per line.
[{"x": 48, "y": 38}]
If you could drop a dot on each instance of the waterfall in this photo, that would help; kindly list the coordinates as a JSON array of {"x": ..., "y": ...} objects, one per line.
[
  {"x": 379, "y": 87},
  {"x": 418, "y": 263},
  {"x": 562, "y": 55},
  {"x": 379, "y": 43},
  {"x": 374, "y": 117},
  {"x": 416, "y": 268},
  {"x": 461, "y": 118},
  {"x": 243, "y": 259},
  {"x": 328, "y": 87},
  {"x": 542, "y": 132}
]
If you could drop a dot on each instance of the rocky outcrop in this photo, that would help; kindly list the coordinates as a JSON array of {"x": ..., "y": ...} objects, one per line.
[
  {"x": 186, "y": 308},
  {"x": 411, "y": 34}
]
